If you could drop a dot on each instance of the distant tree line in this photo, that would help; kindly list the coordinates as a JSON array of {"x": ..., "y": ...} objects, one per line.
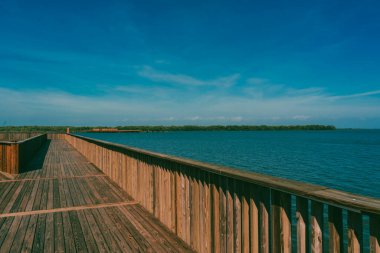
[
  {"x": 227, "y": 128},
  {"x": 62, "y": 129}
]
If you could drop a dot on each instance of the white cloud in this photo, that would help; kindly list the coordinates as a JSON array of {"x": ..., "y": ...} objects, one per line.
[
  {"x": 301, "y": 117},
  {"x": 158, "y": 76},
  {"x": 357, "y": 95}
]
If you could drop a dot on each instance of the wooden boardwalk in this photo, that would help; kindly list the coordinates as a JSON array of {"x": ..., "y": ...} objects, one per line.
[{"x": 64, "y": 203}]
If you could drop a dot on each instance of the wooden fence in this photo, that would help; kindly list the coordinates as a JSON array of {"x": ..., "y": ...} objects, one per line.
[
  {"x": 219, "y": 209},
  {"x": 14, "y": 156}
]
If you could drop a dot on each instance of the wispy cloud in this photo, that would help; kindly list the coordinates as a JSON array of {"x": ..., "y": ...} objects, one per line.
[
  {"x": 283, "y": 106},
  {"x": 165, "y": 77},
  {"x": 356, "y": 95}
]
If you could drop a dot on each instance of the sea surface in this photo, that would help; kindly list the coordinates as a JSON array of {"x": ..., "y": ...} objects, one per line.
[{"x": 347, "y": 160}]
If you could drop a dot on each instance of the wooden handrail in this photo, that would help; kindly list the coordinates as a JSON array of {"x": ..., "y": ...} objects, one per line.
[{"x": 354, "y": 202}]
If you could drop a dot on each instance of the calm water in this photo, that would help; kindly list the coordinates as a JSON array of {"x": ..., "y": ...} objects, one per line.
[{"x": 344, "y": 159}]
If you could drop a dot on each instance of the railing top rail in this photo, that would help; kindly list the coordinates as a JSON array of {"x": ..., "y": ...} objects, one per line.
[
  {"x": 346, "y": 200},
  {"x": 21, "y": 141}
]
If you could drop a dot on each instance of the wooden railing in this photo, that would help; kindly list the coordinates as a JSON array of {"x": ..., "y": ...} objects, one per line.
[
  {"x": 17, "y": 136},
  {"x": 14, "y": 155},
  {"x": 56, "y": 136},
  {"x": 219, "y": 209}
]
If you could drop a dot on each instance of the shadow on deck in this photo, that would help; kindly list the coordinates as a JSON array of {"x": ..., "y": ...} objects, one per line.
[{"x": 37, "y": 162}]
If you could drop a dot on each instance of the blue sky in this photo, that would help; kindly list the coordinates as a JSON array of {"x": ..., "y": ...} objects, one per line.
[{"x": 189, "y": 62}]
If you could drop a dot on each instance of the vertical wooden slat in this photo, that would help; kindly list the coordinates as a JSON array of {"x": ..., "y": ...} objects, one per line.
[
  {"x": 194, "y": 209},
  {"x": 355, "y": 232},
  {"x": 254, "y": 218},
  {"x": 281, "y": 224},
  {"x": 264, "y": 219},
  {"x": 335, "y": 230},
  {"x": 207, "y": 211},
  {"x": 302, "y": 225},
  {"x": 215, "y": 213},
  {"x": 374, "y": 233},
  {"x": 173, "y": 199},
  {"x": 223, "y": 213},
  {"x": 188, "y": 207},
  {"x": 237, "y": 216},
  {"x": 201, "y": 212},
  {"x": 230, "y": 215},
  {"x": 245, "y": 222},
  {"x": 316, "y": 221},
  {"x": 179, "y": 200}
]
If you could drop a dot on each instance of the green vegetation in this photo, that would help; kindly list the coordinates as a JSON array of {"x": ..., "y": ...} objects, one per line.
[
  {"x": 62, "y": 129},
  {"x": 226, "y": 128}
]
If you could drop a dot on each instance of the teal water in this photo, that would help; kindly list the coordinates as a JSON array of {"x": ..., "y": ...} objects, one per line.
[{"x": 347, "y": 160}]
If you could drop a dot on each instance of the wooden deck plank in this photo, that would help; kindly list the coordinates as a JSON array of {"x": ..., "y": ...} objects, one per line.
[
  {"x": 96, "y": 233},
  {"x": 39, "y": 234},
  {"x": 20, "y": 235},
  {"x": 49, "y": 233},
  {"x": 63, "y": 203},
  {"x": 59, "y": 245},
  {"x": 106, "y": 232},
  {"x": 29, "y": 234},
  {"x": 10, "y": 235}
]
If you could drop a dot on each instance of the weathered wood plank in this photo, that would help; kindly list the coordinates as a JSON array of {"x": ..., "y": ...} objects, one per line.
[
  {"x": 302, "y": 217},
  {"x": 264, "y": 220},
  {"x": 245, "y": 221},
  {"x": 254, "y": 224},
  {"x": 237, "y": 216}
]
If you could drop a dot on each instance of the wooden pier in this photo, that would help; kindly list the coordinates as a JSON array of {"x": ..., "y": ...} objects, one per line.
[
  {"x": 82, "y": 194},
  {"x": 63, "y": 203}
]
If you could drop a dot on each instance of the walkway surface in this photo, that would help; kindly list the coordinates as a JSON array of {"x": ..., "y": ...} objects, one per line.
[{"x": 64, "y": 203}]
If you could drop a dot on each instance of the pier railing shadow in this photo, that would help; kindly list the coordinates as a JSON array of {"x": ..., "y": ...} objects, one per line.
[{"x": 38, "y": 160}]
